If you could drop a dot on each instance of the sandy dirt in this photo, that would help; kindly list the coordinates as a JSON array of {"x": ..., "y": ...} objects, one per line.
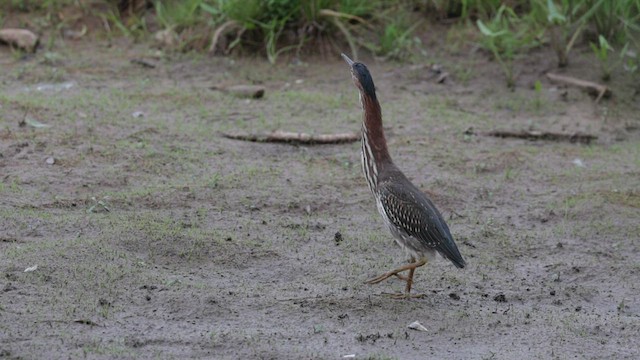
[{"x": 155, "y": 237}]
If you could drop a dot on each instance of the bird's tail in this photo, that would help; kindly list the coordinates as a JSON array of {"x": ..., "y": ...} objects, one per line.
[
  {"x": 448, "y": 248},
  {"x": 458, "y": 261}
]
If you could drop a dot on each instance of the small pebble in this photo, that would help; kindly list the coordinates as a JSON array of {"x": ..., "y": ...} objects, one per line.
[{"x": 417, "y": 326}]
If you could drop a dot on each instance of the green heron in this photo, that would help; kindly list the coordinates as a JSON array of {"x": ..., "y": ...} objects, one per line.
[{"x": 414, "y": 221}]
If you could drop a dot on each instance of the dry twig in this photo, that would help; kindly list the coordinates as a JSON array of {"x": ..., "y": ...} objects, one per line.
[
  {"x": 279, "y": 136},
  {"x": 592, "y": 88},
  {"x": 543, "y": 135}
]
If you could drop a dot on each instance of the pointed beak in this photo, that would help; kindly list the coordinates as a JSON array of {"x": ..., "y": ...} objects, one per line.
[{"x": 346, "y": 58}]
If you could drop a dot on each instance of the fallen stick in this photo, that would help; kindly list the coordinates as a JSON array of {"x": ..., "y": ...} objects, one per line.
[
  {"x": 543, "y": 135},
  {"x": 144, "y": 63},
  {"x": 592, "y": 88},
  {"x": 295, "y": 138}
]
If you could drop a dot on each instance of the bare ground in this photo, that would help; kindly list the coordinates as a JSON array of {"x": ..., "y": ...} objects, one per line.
[{"x": 215, "y": 248}]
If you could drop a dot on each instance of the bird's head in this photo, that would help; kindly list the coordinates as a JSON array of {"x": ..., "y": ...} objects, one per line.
[{"x": 361, "y": 77}]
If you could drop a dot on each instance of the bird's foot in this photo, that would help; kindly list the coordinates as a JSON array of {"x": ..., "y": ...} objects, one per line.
[
  {"x": 404, "y": 296},
  {"x": 396, "y": 272},
  {"x": 385, "y": 276}
]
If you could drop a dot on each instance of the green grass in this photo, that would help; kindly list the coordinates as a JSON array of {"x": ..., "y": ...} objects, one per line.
[
  {"x": 383, "y": 28},
  {"x": 192, "y": 23}
]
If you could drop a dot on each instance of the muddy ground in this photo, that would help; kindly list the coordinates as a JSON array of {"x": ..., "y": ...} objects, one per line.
[{"x": 215, "y": 248}]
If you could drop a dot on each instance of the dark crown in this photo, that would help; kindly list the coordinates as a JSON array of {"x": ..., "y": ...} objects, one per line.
[{"x": 364, "y": 77}]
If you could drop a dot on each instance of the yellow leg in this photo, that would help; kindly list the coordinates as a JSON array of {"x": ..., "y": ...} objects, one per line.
[
  {"x": 411, "y": 267},
  {"x": 407, "y": 288}
]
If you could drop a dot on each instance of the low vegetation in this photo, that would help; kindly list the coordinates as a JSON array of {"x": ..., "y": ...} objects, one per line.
[{"x": 507, "y": 30}]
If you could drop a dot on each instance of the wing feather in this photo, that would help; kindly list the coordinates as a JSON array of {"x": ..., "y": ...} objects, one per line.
[{"x": 409, "y": 208}]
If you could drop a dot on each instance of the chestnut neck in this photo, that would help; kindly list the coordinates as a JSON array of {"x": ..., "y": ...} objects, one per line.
[{"x": 372, "y": 131}]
